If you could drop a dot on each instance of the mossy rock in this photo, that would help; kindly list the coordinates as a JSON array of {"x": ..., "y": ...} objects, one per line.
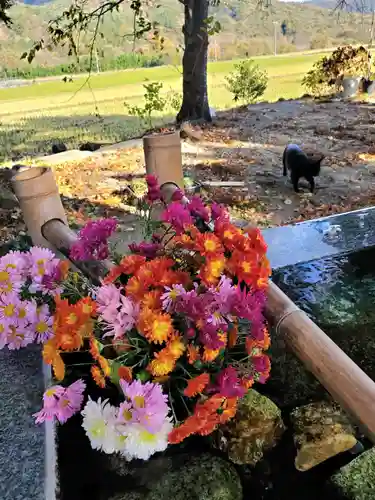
[
  {"x": 356, "y": 480},
  {"x": 321, "y": 431},
  {"x": 255, "y": 429},
  {"x": 203, "y": 477}
]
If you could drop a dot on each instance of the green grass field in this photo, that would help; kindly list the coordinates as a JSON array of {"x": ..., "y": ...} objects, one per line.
[{"x": 33, "y": 117}]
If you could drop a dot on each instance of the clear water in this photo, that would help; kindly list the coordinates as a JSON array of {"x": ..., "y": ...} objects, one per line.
[{"x": 338, "y": 293}]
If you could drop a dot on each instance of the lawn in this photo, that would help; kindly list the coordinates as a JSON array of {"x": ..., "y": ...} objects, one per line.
[{"x": 33, "y": 117}]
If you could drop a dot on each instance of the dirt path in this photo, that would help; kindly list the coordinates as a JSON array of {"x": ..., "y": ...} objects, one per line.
[{"x": 246, "y": 146}]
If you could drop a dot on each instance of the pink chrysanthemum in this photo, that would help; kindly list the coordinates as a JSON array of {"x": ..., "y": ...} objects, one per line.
[
  {"x": 61, "y": 403},
  {"x": 122, "y": 320},
  {"x": 19, "y": 336},
  {"x": 108, "y": 298},
  {"x": 42, "y": 324},
  {"x": 148, "y": 405},
  {"x": 12, "y": 272},
  {"x": 11, "y": 309},
  {"x": 171, "y": 295},
  {"x": 42, "y": 262}
]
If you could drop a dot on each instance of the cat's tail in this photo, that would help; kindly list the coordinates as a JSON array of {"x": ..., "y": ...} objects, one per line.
[{"x": 284, "y": 162}]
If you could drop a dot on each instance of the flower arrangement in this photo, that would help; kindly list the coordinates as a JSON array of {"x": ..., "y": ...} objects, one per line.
[{"x": 176, "y": 326}]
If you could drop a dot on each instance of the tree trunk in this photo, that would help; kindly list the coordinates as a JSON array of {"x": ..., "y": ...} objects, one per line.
[{"x": 194, "y": 62}]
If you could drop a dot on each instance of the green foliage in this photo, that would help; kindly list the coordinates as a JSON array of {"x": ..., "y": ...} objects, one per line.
[
  {"x": 247, "y": 82},
  {"x": 153, "y": 101},
  {"x": 84, "y": 65},
  {"x": 344, "y": 61}
]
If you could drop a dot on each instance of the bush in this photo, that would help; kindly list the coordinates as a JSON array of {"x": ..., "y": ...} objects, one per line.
[
  {"x": 344, "y": 61},
  {"x": 247, "y": 82}
]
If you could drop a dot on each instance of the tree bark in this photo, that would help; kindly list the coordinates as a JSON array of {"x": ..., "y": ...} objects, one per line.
[{"x": 194, "y": 62}]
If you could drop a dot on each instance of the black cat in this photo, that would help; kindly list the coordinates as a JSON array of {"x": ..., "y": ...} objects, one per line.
[{"x": 295, "y": 160}]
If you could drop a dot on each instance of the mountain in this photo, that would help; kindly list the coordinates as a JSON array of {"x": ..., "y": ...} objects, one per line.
[{"x": 247, "y": 29}]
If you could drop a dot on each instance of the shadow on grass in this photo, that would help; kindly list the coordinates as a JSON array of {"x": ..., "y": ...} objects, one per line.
[{"x": 35, "y": 136}]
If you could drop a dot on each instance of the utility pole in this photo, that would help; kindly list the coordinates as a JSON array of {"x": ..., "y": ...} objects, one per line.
[
  {"x": 97, "y": 61},
  {"x": 275, "y": 23}
]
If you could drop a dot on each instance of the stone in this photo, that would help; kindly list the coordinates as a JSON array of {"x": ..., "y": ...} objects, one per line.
[
  {"x": 356, "y": 480},
  {"x": 203, "y": 477},
  {"x": 321, "y": 431},
  {"x": 255, "y": 429}
]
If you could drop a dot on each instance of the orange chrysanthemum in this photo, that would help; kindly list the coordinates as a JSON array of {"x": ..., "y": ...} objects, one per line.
[
  {"x": 98, "y": 376},
  {"x": 255, "y": 240},
  {"x": 134, "y": 288},
  {"x": 197, "y": 385},
  {"x": 228, "y": 234},
  {"x": 64, "y": 269},
  {"x": 176, "y": 346},
  {"x": 58, "y": 367},
  {"x": 208, "y": 245},
  {"x": 184, "y": 241},
  {"x": 86, "y": 307},
  {"x": 49, "y": 351},
  {"x": 229, "y": 409},
  {"x": 192, "y": 354},
  {"x": 255, "y": 347},
  {"x": 247, "y": 382},
  {"x": 162, "y": 364},
  {"x": 125, "y": 373},
  {"x": 210, "y": 355},
  {"x": 104, "y": 365},
  {"x": 131, "y": 264},
  {"x": 233, "y": 336},
  {"x": 212, "y": 270},
  {"x": 156, "y": 327},
  {"x": 179, "y": 434},
  {"x": 152, "y": 299},
  {"x": 94, "y": 348},
  {"x": 113, "y": 275}
]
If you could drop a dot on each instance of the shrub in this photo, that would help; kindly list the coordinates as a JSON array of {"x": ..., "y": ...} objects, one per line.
[
  {"x": 247, "y": 82},
  {"x": 344, "y": 61},
  {"x": 153, "y": 102}
]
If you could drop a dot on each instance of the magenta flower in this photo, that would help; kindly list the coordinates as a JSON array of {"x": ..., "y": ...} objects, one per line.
[
  {"x": 148, "y": 250},
  {"x": 249, "y": 305},
  {"x": 178, "y": 216},
  {"x": 228, "y": 383},
  {"x": 93, "y": 240},
  {"x": 177, "y": 195},
  {"x": 198, "y": 209},
  {"x": 153, "y": 189},
  {"x": 145, "y": 404},
  {"x": 219, "y": 212},
  {"x": 61, "y": 403},
  {"x": 209, "y": 335}
]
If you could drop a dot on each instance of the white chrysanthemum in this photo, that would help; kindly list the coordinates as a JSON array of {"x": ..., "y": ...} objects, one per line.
[
  {"x": 99, "y": 422},
  {"x": 142, "y": 444}
]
